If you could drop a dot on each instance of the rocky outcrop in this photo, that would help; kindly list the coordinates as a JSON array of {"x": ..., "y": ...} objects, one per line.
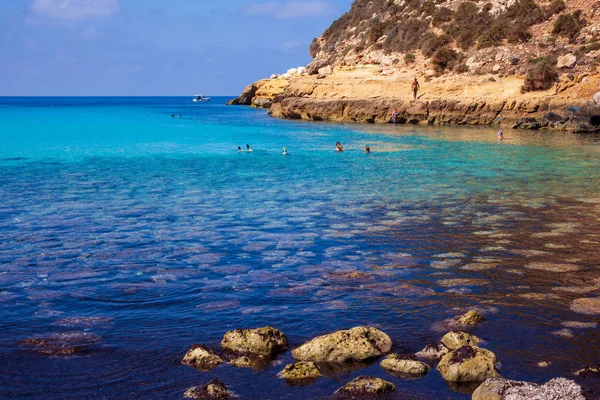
[
  {"x": 404, "y": 366},
  {"x": 266, "y": 341},
  {"x": 200, "y": 357},
  {"x": 261, "y": 94},
  {"x": 467, "y": 364},
  {"x": 503, "y": 389},
  {"x": 566, "y": 61},
  {"x": 433, "y": 351},
  {"x": 303, "y": 370},
  {"x": 367, "y": 385},
  {"x": 254, "y": 361},
  {"x": 62, "y": 344},
  {"x": 356, "y": 344},
  {"x": 213, "y": 390}
]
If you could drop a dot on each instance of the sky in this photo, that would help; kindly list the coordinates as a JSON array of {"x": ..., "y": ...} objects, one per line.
[{"x": 154, "y": 47}]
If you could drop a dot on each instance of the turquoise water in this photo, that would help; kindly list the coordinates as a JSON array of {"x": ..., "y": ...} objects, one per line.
[{"x": 128, "y": 235}]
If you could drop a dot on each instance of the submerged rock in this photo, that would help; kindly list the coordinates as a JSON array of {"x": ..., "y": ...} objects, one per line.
[
  {"x": 590, "y": 305},
  {"x": 470, "y": 318},
  {"x": 504, "y": 389},
  {"x": 468, "y": 363},
  {"x": 367, "y": 384},
  {"x": 404, "y": 366},
  {"x": 454, "y": 340},
  {"x": 255, "y": 362},
  {"x": 356, "y": 344},
  {"x": 62, "y": 344},
  {"x": 266, "y": 341},
  {"x": 303, "y": 370},
  {"x": 433, "y": 351},
  {"x": 200, "y": 357},
  {"x": 552, "y": 267},
  {"x": 212, "y": 390}
]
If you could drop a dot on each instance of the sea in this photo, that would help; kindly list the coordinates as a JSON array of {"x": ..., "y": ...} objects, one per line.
[{"x": 132, "y": 228}]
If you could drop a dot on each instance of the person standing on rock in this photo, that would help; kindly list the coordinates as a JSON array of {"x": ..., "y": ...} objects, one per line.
[{"x": 415, "y": 88}]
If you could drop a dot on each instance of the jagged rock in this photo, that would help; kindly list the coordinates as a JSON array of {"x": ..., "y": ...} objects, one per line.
[
  {"x": 552, "y": 119},
  {"x": 261, "y": 341},
  {"x": 314, "y": 66},
  {"x": 504, "y": 389},
  {"x": 246, "y": 97},
  {"x": 528, "y": 123},
  {"x": 596, "y": 99},
  {"x": 262, "y": 102},
  {"x": 326, "y": 70},
  {"x": 212, "y": 390},
  {"x": 566, "y": 61},
  {"x": 356, "y": 344},
  {"x": 496, "y": 68},
  {"x": 433, "y": 351},
  {"x": 589, "y": 371},
  {"x": 470, "y": 318},
  {"x": 468, "y": 363},
  {"x": 367, "y": 384},
  {"x": 455, "y": 339},
  {"x": 303, "y": 370},
  {"x": 404, "y": 366},
  {"x": 274, "y": 76},
  {"x": 200, "y": 357}
]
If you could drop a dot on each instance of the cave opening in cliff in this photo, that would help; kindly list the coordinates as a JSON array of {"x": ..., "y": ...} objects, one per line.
[{"x": 595, "y": 120}]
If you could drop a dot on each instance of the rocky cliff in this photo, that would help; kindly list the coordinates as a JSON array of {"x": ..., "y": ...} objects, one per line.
[{"x": 521, "y": 63}]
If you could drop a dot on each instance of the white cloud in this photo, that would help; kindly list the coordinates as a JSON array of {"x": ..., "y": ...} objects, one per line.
[
  {"x": 74, "y": 9},
  {"x": 291, "y": 9}
]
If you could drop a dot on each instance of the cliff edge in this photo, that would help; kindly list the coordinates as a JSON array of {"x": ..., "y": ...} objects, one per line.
[{"x": 521, "y": 63}]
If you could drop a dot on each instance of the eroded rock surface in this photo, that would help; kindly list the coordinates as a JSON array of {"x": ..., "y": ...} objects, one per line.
[
  {"x": 404, "y": 366},
  {"x": 468, "y": 363},
  {"x": 433, "y": 351},
  {"x": 454, "y": 340},
  {"x": 356, "y": 344},
  {"x": 200, "y": 357},
  {"x": 367, "y": 384},
  {"x": 213, "y": 390},
  {"x": 470, "y": 318},
  {"x": 265, "y": 341},
  {"x": 503, "y": 389},
  {"x": 303, "y": 370}
]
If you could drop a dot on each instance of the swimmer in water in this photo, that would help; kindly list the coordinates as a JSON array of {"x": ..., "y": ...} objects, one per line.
[
  {"x": 367, "y": 149},
  {"x": 284, "y": 152},
  {"x": 239, "y": 149},
  {"x": 248, "y": 149},
  {"x": 500, "y": 135},
  {"x": 339, "y": 147}
]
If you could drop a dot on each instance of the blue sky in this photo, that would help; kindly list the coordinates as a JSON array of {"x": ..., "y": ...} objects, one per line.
[{"x": 154, "y": 47}]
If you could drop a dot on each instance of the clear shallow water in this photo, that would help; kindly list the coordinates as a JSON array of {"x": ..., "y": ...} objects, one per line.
[{"x": 134, "y": 235}]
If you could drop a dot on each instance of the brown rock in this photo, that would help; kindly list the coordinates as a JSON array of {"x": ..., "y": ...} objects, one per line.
[
  {"x": 589, "y": 306},
  {"x": 200, "y": 357},
  {"x": 303, "y": 370},
  {"x": 503, "y": 389},
  {"x": 367, "y": 384},
  {"x": 404, "y": 366},
  {"x": 468, "y": 363},
  {"x": 212, "y": 390},
  {"x": 453, "y": 340},
  {"x": 470, "y": 318},
  {"x": 433, "y": 351},
  {"x": 266, "y": 341},
  {"x": 356, "y": 344}
]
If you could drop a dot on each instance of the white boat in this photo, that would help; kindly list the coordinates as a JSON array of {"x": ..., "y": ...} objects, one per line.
[{"x": 200, "y": 98}]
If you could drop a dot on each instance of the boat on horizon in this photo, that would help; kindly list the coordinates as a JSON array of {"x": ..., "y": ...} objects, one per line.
[{"x": 200, "y": 98}]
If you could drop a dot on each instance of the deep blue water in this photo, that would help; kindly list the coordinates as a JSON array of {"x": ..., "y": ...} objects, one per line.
[{"x": 132, "y": 235}]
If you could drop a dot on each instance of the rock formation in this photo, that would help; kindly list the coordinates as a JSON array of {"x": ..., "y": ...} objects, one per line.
[
  {"x": 303, "y": 370},
  {"x": 503, "y": 389},
  {"x": 404, "y": 366},
  {"x": 467, "y": 364},
  {"x": 356, "y": 344},
  {"x": 266, "y": 341},
  {"x": 367, "y": 385},
  {"x": 213, "y": 390},
  {"x": 200, "y": 357}
]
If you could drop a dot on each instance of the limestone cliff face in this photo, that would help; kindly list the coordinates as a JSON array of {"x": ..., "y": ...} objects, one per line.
[{"x": 518, "y": 63}]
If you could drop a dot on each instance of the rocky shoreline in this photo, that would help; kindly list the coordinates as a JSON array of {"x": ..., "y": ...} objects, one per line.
[
  {"x": 458, "y": 358},
  {"x": 366, "y": 97}
]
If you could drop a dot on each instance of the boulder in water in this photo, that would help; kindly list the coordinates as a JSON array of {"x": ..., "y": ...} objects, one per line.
[
  {"x": 453, "y": 340},
  {"x": 303, "y": 370},
  {"x": 367, "y": 385},
  {"x": 213, "y": 390},
  {"x": 504, "y": 389},
  {"x": 265, "y": 341},
  {"x": 467, "y": 364},
  {"x": 200, "y": 357},
  {"x": 433, "y": 351},
  {"x": 404, "y": 366},
  {"x": 356, "y": 344},
  {"x": 470, "y": 318}
]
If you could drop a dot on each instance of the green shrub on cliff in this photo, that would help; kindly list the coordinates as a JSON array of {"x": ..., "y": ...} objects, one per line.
[
  {"x": 443, "y": 59},
  {"x": 541, "y": 76},
  {"x": 569, "y": 25}
]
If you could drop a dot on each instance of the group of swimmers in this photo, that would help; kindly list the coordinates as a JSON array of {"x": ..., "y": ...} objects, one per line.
[{"x": 338, "y": 147}]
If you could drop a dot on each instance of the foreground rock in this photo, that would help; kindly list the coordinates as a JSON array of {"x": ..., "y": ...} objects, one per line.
[
  {"x": 301, "y": 371},
  {"x": 404, "y": 366},
  {"x": 200, "y": 357},
  {"x": 212, "y": 390},
  {"x": 266, "y": 341},
  {"x": 367, "y": 385},
  {"x": 356, "y": 344},
  {"x": 589, "y": 306},
  {"x": 255, "y": 362},
  {"x": 454, "y": 340},
  {"x": 433, "y": 351},
  {"x": 503, "y": 389},
  {"x": 468, "y": 363}
]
